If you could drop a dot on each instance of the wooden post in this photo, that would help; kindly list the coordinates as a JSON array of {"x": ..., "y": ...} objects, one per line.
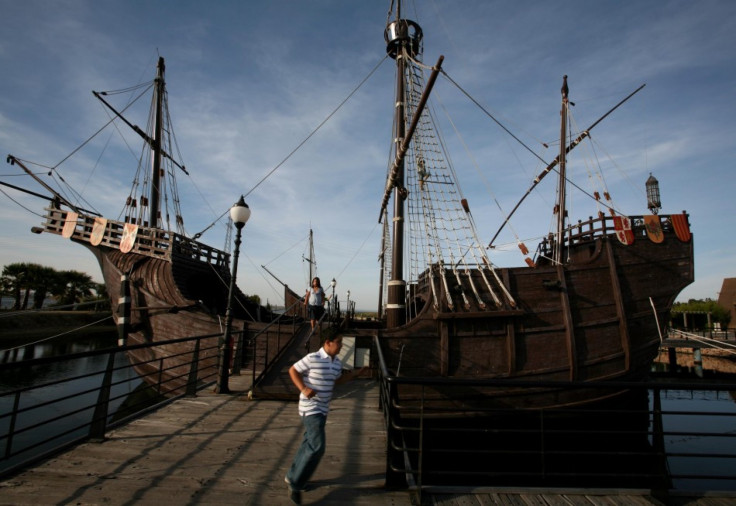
[{"x": 673, "y": 357}]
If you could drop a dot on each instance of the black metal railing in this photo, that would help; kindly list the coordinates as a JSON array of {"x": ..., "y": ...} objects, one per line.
[
  {"x": 641, "y": 437},
  {"x": 268, "y": 344},
  {"x": 99, "y": 390}
]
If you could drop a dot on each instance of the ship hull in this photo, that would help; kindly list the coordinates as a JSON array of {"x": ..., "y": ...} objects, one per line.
[
  {"x": 176, "y": 288},
  {"x": 598, "y": 317}
]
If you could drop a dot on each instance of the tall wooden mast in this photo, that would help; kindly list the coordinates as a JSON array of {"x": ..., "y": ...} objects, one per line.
[
  {"x": 403, "y": 38},
  {"x": 160, "y": 91},
  {"x": 561, "y": 196}
]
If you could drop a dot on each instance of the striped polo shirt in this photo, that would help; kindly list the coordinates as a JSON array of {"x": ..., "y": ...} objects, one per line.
[{"x": 319, "y": 372}]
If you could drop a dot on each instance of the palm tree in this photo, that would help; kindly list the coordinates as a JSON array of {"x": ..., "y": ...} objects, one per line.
[
  {"x": 74, "y": 286},
  {"x": 16, "y": 277},
  {"x": 6, "y": 287},
  {"x": 42, "y": 280}
]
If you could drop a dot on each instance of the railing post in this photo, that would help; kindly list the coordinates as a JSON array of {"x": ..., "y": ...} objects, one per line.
[
  {"x": 99, "y": 419},
  {"x": 394, "y": 479},
  {"x": 265, "y": 353},
  {"x": 420, "y": 456},
  {"x": 665, "y": 483},
  {"x": 159, "y": 381},
  {"x": 238, "y": 353},
  {"x": 193, "y": 370},
  {"x": 253, "y": 360},
  {"x": 11, "y": 429}
]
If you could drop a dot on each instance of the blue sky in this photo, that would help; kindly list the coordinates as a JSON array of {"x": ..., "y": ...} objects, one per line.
[{"x": 248, "y": 81}]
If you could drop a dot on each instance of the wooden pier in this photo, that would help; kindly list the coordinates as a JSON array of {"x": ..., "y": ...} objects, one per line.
[
  {"x": 684, "y": 349},
  {"x": 226, "y": 449}
]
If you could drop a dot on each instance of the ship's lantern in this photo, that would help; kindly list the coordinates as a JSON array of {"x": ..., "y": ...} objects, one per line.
[{"x": 653, "y": 202}]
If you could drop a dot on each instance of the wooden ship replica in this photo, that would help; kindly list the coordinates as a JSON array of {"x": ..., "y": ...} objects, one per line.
[
  {"x": 162, "y": 284},
  {"x": 588, "y": 306}
]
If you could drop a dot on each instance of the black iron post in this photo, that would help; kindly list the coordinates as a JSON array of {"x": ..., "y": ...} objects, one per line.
[{"x": 239, "y": 214}]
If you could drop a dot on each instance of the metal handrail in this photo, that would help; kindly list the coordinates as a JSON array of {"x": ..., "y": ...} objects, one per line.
[
  {"x": 523, "y": 447},
  {"x": 270, "y": 359},
  {"x": 83, "y": 412}
]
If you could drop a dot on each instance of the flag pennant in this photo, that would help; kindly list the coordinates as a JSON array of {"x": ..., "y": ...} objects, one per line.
[{"x": 681, "y": 226}]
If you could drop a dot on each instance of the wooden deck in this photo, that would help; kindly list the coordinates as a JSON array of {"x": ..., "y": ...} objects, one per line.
[{"x": 224, "y": 449}]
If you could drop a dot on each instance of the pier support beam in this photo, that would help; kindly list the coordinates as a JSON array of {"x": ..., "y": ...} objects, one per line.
[{"x": 672, "y": 353}]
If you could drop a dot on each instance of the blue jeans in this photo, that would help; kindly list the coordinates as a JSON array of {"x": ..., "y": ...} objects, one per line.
[{"x": 309, "y": 453}]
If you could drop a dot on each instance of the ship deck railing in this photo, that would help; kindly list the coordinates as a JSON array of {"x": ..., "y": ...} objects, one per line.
[
  {"x": 152, "y": 242},
  {"x": 639, "y": 439},
  {"x": 593, "y": 228}
]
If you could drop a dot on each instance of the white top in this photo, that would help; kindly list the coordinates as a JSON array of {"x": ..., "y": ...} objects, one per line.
[
  {"x": 316, "y": 298},
  {"x": 319, "y": 372}
]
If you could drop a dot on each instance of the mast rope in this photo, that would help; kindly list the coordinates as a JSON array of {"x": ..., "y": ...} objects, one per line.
[
  {"x": 443, "y": 249},
  {"x": 21, "y": 205},
  {"x": 494, "y": 118},
  {"x": 304, "y": 141}
]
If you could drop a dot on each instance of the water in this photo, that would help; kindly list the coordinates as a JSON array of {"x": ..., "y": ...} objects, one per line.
[
  {"x": 679, "y": 429},
  {"x": 50, "y": 393}
]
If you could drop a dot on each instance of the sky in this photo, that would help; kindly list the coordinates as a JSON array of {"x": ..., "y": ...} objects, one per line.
[{"x": 255, "y": 91}]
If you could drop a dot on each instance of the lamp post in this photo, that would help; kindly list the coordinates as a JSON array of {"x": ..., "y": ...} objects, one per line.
[
  {"x": 239, "y": 213},
  {"x": 347, "y": 305},
  {"x": 332, "y": 299}
]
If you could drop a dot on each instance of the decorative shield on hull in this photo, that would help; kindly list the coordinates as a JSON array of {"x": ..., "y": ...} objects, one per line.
[
  {"x": 69, "y": 225},
  {"x": 654, "y": 228},
  {"x": 622, "y": 224}
]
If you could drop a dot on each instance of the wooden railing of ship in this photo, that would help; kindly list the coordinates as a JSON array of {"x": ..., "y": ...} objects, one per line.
[
  {"x": 593, "y": 228},
  {"x": 152, "y": 242}
]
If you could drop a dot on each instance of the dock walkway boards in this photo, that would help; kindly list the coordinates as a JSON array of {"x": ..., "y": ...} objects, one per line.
[{"x": 224, "y": 449}]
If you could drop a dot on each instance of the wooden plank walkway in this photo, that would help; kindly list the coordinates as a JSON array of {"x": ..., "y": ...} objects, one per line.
[{"x": 224, "y": 449}]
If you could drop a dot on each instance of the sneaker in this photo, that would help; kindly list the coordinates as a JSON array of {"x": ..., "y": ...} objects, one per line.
[{"x": 295, "y": 496}]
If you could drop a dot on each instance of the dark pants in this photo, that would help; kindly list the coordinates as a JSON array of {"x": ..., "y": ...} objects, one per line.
[
  {"x": 310, "y": 452},
  {"x": 316, "y": 312}
]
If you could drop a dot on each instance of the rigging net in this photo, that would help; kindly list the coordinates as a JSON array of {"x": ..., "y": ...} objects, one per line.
[{"x": 440, "y": 237}]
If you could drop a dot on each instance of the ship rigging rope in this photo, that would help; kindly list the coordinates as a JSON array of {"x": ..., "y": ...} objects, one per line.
[
  {"x": 102, "y": 127},
  {"x": 21, "y": 205},
  {"x": 53, "y": 171},
  {"x": 304, "y": 141},
  {"x": 511, "y": 134},
  {"x": 492, "y": 117}
]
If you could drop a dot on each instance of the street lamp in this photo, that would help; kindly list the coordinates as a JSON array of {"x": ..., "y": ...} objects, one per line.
[
  {"x": 332, "y": 299},
  {"x": 239, "y": 213},
  {"x": 347, "y": 305}
]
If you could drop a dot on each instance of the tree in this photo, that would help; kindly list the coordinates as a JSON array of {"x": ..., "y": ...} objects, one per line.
[
  {"x": 73, "y": 286},
  {"x": 42, "y": 280},
  {"x": 16, "y": 276},
  {"x": 6, "y": 287},
  {"x": 255, "y": 299},
  {"x": 719, "y": 314}
]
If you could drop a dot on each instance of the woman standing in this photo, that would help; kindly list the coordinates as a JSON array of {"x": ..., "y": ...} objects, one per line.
[{"x": 315, "y": 301}]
